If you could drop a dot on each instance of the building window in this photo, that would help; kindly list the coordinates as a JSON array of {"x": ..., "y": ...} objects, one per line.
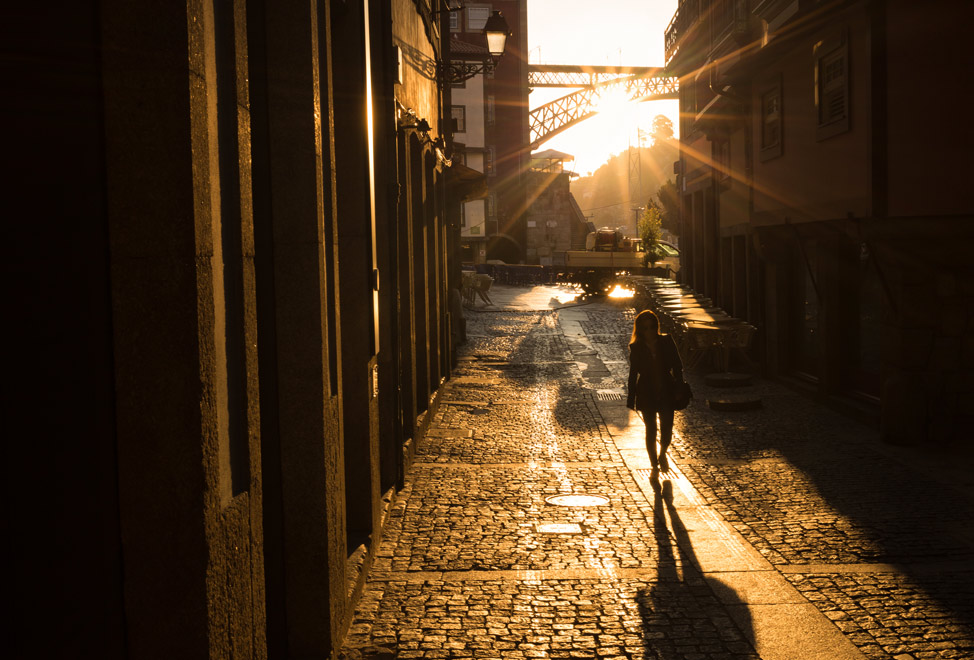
[
  {"x": 490, "y": 206},
  {"x": 490, "y": 109},
  {"x": 832, "y": 86},
  {"x": 832, "y": 104},
  {"x": 489, "y": 161},
  {"x": 455, "y": 21},
  {"x": 771, "y": 122},
  {"x": 477, "y": 18},
  {"x": 459, "y": 115}
]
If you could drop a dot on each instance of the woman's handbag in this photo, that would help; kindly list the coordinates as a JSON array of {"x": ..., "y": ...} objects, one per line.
[{"x": 681, "y": 395}]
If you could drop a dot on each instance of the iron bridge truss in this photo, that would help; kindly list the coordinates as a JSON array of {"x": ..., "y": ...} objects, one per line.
[{"x": 594, "y": 82}]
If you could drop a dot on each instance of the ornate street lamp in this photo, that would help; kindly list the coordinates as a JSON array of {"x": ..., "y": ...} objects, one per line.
[{"x": 496, "y": 31}]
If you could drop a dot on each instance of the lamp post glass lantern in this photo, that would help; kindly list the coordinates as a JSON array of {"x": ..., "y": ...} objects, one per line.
[{"x": 496, "y": 30}]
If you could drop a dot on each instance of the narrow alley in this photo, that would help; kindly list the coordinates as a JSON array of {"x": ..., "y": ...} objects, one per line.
[
  {"x": 530, "y": 526},
  {"x": 290, "y": 376}
]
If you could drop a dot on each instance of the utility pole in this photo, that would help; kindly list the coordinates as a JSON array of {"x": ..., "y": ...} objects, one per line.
[{"x": 635, "y": 169}]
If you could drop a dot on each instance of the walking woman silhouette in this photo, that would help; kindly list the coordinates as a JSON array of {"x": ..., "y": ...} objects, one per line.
[{"x": 654, "y": 370}]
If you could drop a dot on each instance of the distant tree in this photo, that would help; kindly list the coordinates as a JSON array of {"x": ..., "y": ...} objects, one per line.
[
  {"x": 608, "y": 194},
  {"x": 669, "y": 201},
  {"x": 649, "y": 231},
  {"x": 662, "y": 129}
]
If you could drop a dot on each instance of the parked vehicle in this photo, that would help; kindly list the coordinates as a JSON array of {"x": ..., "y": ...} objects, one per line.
[
  {"x": 672, "y": 258},
  {"x": 608, "y": 252}
]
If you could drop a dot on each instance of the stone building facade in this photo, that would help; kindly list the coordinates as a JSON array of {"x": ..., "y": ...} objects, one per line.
[
  {"x": 473, "y": 112},
  {"x": 230, "y": 267},
  {"x": 499, "y": 142},
  {"x": 816, "y": 204},
  {"x": 554, "y": 223}
]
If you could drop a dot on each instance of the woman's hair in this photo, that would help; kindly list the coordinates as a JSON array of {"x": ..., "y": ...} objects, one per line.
[{"x": 645, "y": 322}]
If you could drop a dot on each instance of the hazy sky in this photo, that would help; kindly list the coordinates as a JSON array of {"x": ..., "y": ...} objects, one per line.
[{"x": 627, "y": 32}]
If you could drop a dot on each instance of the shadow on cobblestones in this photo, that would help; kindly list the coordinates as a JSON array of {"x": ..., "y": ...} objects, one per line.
[
  {"x": 684, "y": 613},
  {"x": 881, "y": 549},
  {"x": 805, "y": 487}
]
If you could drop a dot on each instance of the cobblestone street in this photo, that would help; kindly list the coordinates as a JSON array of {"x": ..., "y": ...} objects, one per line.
[{"x": 786, "y": 532}]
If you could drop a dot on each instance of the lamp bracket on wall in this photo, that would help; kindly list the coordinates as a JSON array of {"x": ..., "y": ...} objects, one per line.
[
  {"x": 457, "y": 71},
  {"x": 407, "y": 118},
  {"x": 496, "y": 32}
]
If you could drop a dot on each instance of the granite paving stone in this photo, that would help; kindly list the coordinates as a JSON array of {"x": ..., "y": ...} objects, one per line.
[
  {"x": 895, "y": 615},
  {"x": 883, "y": 550}
]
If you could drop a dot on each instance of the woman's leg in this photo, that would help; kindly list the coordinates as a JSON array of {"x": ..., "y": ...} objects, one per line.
[
  {"x": 649, "y": 417},
  {"x": 665, "y": 435}
]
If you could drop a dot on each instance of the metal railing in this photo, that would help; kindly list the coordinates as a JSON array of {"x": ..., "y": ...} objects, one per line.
[
  {"x": 724, "y": 17},
  {"x": 686, "y": 15},
  {"x": 573, "y": 75}
]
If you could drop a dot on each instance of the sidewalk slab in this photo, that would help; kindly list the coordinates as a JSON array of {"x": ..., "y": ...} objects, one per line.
[{"x": 791, "y": 631}]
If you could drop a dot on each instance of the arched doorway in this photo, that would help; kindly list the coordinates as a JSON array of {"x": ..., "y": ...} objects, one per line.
[{"x": 504, "y": 248}]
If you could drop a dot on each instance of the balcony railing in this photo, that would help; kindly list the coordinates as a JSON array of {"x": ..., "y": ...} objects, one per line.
[
  {"x": 724, "y": 17},
  {"x": 686, "y": 15}
]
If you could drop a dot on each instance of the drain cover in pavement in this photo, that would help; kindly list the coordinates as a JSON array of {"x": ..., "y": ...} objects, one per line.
[
  {"x": 558, "y": 528},
  {"x": 577, "y": 500}
]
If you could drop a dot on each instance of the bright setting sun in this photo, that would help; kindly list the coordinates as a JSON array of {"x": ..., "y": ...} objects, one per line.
[
  {"x": 614, "y": 106},
  {"x": 614, "y": 32}
]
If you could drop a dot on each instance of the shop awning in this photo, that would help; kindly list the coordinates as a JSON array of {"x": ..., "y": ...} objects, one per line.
[
  {"x": 465, "y": 182},
  {"x": 551, "y": 154}
]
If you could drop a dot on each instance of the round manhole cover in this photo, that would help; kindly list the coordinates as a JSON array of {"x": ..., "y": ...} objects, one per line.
[{"x": 577, "y": 500}]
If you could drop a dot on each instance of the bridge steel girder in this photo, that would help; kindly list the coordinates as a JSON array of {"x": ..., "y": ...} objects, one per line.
[
  {"x": 575, "y": 75},
  {"x": 561, "y": 114}
]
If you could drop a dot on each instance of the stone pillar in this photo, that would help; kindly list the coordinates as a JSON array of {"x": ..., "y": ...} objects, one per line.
[
  {"x": 352, "y": 86},
  {"x": 294, "y": 218},
  {"x": 177, "y": 160}
]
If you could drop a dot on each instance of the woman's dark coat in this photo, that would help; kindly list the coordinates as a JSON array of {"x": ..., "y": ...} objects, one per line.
[{"x": 653, "y": 375}]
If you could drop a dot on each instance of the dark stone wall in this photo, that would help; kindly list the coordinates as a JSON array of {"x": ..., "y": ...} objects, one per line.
[
  {"x": 194, "y": 450},
  {"x": 180, "y": 233},
  {"x": 60, "y": 465}
]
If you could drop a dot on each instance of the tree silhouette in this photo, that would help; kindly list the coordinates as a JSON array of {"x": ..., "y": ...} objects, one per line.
[
  {"x": 649, "y": 231},
  {"x": 662, "y": 129}
]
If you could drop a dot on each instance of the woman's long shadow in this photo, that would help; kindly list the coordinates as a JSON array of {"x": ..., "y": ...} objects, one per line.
[{"x": 686, "y": 613}]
